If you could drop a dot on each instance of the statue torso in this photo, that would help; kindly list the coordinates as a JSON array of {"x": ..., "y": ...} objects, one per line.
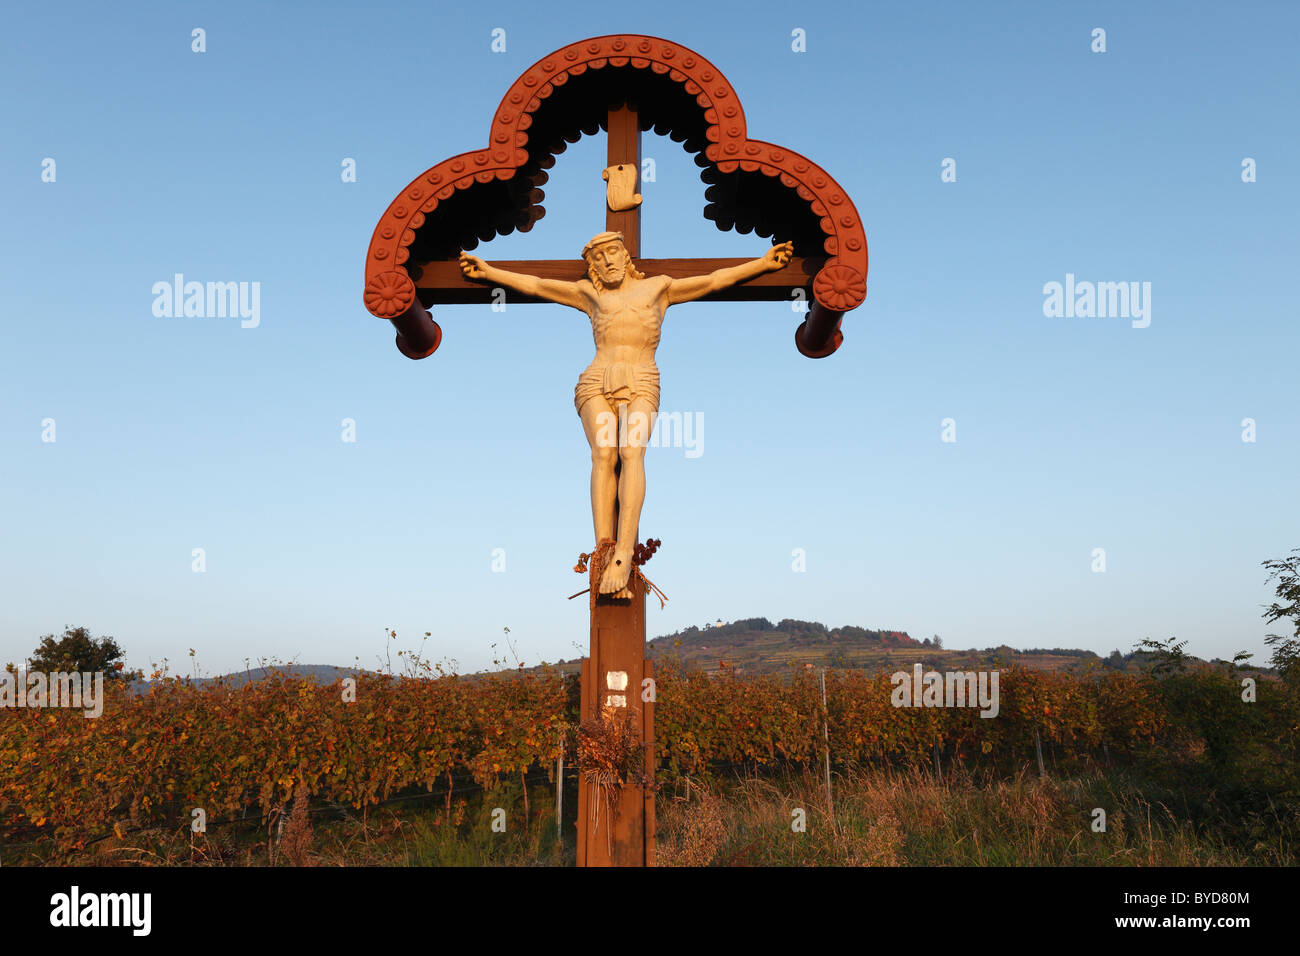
[{"x": 626, "y": 322}]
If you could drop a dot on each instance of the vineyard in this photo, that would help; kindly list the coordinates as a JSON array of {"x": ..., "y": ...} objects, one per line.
[{"x": 244, "y": 752}]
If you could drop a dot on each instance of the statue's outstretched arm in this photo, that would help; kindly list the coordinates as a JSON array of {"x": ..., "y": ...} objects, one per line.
[
  {"x": 552, "y": 290},
  {"x": 684, "y": 290}
]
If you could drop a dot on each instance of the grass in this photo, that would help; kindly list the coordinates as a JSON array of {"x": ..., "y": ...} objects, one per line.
[{"x": 908, "y": 818}]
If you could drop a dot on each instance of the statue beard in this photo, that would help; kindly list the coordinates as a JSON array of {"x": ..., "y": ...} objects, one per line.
[{"x": 629, "y": 272}]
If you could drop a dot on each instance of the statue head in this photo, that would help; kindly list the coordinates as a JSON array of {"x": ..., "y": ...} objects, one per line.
[{"x": 608, "y": 262}]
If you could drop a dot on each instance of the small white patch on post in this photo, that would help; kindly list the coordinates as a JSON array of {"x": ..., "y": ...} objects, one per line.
[
  {"x": 616, "y": 680},
  {"x": 615, "y": 700}
]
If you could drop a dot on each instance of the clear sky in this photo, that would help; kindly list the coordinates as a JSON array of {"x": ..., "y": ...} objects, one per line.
[{"x": 1073, "y": 434}]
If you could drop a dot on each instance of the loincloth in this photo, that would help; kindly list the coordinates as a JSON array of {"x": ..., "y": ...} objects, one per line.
[{"x": 618, "y": 384}]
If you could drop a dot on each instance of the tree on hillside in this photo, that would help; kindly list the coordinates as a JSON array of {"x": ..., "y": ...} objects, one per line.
[
  {"x": 791, "y": 626},
  {"x": 1286, "y": 650},
  {"x": 1163, "y": 657},
  {"x": 77, "y": 650}
]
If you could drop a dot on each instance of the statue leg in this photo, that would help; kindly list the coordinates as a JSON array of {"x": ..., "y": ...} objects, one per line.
[
  {"x": 601, "y": 425},
  {"x": 631, "y": 493}
]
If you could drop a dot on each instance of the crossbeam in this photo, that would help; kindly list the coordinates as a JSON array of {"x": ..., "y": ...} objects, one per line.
[{"x": 442, "y": 283}]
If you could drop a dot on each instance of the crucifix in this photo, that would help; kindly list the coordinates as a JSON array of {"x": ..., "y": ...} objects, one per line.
[
  {"x": 617, "y": 396},
  {"x": 624, "y": 84}
]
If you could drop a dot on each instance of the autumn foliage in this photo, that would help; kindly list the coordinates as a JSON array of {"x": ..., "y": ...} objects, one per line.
[
  {"x": 704, "y": 720},
  {"x": 244, "y": 751},
  {"x": 152, "y": 757}
]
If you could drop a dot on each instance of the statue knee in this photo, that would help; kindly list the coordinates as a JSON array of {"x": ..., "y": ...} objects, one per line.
[{"x": 604, "y": 456}]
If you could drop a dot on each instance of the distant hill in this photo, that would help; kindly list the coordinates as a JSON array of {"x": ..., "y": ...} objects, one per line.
[
  {"x": 756, "y": 645},
  {"x": 323, "y": 674}
]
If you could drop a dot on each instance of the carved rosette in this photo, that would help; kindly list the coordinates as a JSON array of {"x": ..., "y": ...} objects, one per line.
[
  {"x": 389, "y": 294},
  {"x": 839, "y": 287}
]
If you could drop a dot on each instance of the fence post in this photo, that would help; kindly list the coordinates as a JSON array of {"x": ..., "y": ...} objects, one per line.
[
  {"x": 1038, "y": 750},
  {"x": 559, "y": 797},
  {"x": 826, "y": 736}
]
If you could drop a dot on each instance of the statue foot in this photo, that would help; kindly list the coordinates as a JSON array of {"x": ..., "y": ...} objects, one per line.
[{"x": 613, "y": 581}]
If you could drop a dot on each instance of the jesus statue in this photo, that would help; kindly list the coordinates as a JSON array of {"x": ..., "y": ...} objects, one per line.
[{"x": 617, "y": 395}]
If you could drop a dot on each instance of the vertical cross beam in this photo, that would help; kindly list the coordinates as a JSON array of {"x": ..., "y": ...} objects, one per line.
[
  {"x": 620, "y": 833},
  {"x": 625, "y": 149}
]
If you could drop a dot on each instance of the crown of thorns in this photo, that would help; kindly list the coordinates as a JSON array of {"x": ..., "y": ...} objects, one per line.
[{"x": 598, "y": 240}]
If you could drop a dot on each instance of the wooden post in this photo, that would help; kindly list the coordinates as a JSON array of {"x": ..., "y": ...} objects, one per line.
[
  {"x": 611, "y": 678},
  {"x": 559, "y": 797},
  {"x": 826, "y": 736},
  {"x": 1038, "y": 751}
]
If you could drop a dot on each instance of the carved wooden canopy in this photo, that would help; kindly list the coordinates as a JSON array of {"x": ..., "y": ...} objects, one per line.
[{"x": 752, "y": 185}]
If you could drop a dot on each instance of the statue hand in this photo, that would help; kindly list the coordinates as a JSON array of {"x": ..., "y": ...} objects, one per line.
[
  {"x": 778, "y": 256},
  {"x": 472, "y": 266}
]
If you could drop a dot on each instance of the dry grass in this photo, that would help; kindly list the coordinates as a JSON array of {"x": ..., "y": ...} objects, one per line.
[
  {"x": 908, "y": 818},
  {"x": 698, "y": 830},
  {"x": 296, "y": 841}
]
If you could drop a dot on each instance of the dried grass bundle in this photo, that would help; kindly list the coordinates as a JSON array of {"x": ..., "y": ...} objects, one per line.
[{"x": 610, "y": 755}]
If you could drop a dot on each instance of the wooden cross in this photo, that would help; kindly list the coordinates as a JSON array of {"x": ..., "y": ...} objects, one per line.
[{"x": 553, "y": 100}]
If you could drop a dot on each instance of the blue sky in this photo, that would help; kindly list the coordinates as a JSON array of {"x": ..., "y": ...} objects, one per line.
[{"x": 1072, "y": 433}]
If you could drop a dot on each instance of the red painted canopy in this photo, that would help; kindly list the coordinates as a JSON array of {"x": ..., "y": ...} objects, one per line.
[{"x": 752, "y": 185}]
